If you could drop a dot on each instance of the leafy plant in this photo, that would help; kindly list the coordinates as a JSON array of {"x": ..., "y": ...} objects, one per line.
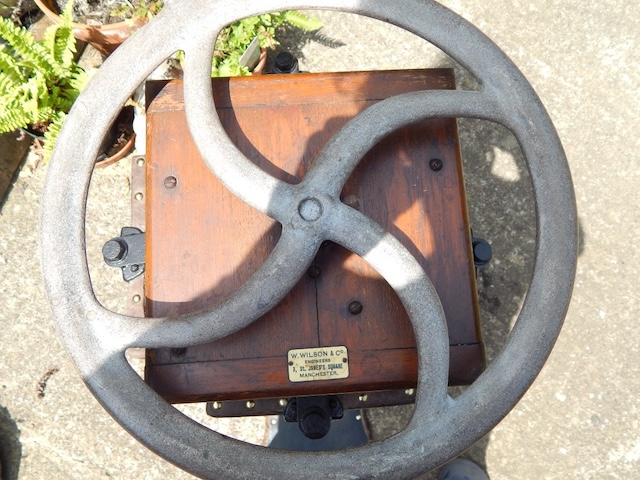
[
  {"x": 39, "y": 80},
  {"x": 234, "y": 40},
  {"x": 137, "y": 10}
]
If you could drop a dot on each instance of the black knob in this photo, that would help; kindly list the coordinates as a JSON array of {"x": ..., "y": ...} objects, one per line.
[
  {"x": 286, "y": 63},
  {"x": 114, "y": 250},
  {"x": 314, "y": 422},
  {"x": 482, "y": 252}
]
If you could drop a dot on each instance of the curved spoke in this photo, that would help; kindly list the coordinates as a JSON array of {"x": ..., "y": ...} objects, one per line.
[
  {"x": 241, "y": 176},
  {"x": 401, "y": 270},
  {"x": 341, "y": 155},
  {"x": 96, "y": 337},
  {"x": 289, "y": 260}
]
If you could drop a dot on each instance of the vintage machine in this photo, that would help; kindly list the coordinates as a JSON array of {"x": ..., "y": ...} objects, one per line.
[{"x": 307, "y": 249}]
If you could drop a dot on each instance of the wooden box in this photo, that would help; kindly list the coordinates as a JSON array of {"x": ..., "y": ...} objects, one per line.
[{"x": 202, "y": 242}]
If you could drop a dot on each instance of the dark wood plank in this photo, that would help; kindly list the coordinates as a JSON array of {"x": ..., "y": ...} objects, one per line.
[{"x": 253, "y": 378}]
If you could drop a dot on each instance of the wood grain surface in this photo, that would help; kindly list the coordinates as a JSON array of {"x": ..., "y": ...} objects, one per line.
[{"x": 203, "y": 243}]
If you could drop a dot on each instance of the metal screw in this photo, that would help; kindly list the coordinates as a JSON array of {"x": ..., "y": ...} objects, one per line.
[
  {"x": 217, "y": 405},
  {"x": 139, "y": 196},
  {"x": 409, "y": 391},
  {"x": 282, "y": 402},
  {"x": 135, "y": 268},
  {"x": 314, "y": 271},
  {"x": 363, "y": 398},
  {"x": 435, "y": 164},
  {"x": 250, "y": 404},
  {"x": 170, "y": 182},
  {"x": 136, "y": 298},
  {"x": 179, "y": 352},
  {"x": 355, "y": 307}
]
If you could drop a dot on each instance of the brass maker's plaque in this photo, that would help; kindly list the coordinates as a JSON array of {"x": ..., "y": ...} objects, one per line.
[{"x": 314, "y": 364}]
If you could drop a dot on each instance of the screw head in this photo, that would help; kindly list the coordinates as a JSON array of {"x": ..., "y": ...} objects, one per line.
[
  {"x": 355, "y": 308},
  {"x": 435, "y": 164},
  {"x": 170, "y": 182},
  {"x": 314, "y": 271}
]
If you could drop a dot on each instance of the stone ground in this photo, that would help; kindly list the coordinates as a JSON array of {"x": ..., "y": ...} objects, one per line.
[{"x": 579, "y": 419}]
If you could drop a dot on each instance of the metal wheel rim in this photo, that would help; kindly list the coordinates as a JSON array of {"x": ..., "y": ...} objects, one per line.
[{"x": 505, "y": 97}]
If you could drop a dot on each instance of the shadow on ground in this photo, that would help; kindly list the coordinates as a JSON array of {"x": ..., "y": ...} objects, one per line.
[
  {"x": 10, "y": 446},
  {"x": 13, "y": 148}
]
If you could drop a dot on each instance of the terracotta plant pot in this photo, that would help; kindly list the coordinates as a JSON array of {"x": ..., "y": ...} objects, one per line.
[
  {"x": 259, "y": 68},
  {"x": 119, "y": 141},
  {"x": 119, "y": 155},
  {"x": 105, "y": 38}
]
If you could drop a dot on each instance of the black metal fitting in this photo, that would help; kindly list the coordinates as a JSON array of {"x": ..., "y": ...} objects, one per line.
[
  {"x": 355, "y": 308},
  {"x": 314, "y": 271},
  {"x": 435, "y": 164},
  {"x": 286, "y": 63},
  {"x": 482, "y": 252},
  {"x": 314, "y": 414},
  {"x": 126, "y": 252}
]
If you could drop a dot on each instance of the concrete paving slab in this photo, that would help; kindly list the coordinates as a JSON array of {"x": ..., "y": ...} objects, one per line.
[{"x": 580, "y": 418}]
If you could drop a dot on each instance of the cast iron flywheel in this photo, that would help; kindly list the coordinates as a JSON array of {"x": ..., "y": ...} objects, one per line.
[{"x": 310, "y": 213}]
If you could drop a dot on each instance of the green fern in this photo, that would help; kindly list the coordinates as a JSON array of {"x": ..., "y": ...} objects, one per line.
[
  {"x": 300, "y": 20},
  {"x": 39, "y": 80},
  {"x": 51, "y": 134}
]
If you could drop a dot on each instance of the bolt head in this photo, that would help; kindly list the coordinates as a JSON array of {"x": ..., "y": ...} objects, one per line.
[
  {"x": 355, "y": 307},
  {"x": 310, "y": 209},
  {"x": 314, "y": 271},
  {"x": 114, "y": 250},
  {"x": 435, "y": 164}
]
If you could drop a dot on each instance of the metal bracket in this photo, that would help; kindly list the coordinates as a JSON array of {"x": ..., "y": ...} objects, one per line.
[
  {"x": 127, "y": 252},
  {"x": 314, "y": 414}
]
